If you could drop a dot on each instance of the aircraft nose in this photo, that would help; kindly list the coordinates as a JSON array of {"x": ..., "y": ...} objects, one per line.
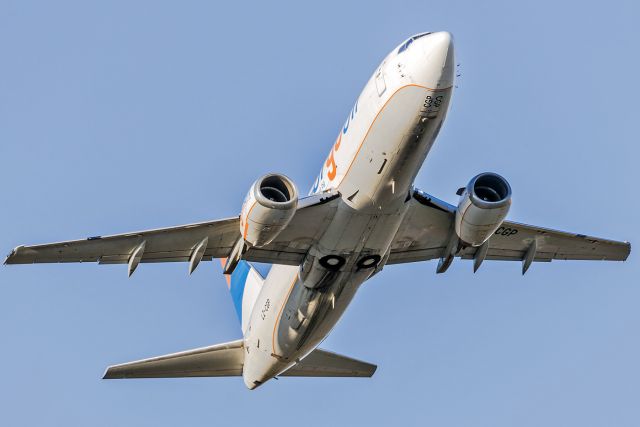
[
  {"x": 439, "y": 68},
  {"x": 442, "y": 38}
]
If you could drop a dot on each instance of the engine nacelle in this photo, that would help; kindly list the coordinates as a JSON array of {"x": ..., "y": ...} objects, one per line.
[
  {"x": 268, "y": 208},
  {"x": 483, "y": 206}
]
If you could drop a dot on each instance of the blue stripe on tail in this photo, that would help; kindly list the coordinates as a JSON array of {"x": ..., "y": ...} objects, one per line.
[
  {"x": 238, "y": 282},
  {"x": 244, "y": 285}
]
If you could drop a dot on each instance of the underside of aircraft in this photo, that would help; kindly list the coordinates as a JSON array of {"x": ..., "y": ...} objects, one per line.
[{"x": 362, "y": 214}]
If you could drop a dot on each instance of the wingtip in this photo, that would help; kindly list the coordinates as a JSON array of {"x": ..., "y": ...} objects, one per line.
[
  {"x": 108, "y": 374},
  {"x": 373, "y": 370},
  {"x": 624, "y": 254},
  {"x": 12, "y": 254}
]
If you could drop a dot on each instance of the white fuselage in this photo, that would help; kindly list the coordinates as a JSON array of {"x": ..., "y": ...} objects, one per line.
[{"x": 373, "y": 164}]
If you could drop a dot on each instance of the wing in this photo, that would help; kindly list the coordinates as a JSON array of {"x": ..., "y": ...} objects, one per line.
[
  {"x": 427, "y": 229},
  {"x": 205, "y": 240},
  {"x": 161, "y": 245}
]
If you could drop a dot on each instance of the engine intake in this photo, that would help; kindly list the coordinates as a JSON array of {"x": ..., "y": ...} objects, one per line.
[
  {"x": 483, "y": 206},
  {"x": 268, "y": 208}
]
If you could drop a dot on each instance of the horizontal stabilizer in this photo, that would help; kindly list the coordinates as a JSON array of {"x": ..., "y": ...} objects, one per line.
[
  {"x": 226, "y": 360},
  {"x": 220, "y": 360},
  {"x": 322, "y": 363}
]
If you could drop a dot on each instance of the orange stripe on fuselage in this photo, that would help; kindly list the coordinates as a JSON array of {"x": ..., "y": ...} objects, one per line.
[
  {"x": 275, "y": 327},
  {"x": 246, "y": 220},
  {"x": 376, "y": 118}
]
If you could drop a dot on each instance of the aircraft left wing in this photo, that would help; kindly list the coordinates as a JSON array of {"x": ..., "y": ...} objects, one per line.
[
  {"x": 428, "y": 228},
  {"x": 199, "y": 241}
]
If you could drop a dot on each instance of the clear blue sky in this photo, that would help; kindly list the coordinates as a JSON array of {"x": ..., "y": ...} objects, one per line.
[{"x": 117, "y": 116}]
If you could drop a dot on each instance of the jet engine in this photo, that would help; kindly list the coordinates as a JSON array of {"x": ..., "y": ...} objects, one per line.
[
  {"x": 484, "y": 204},
  {"x": 268, "y": 208}
]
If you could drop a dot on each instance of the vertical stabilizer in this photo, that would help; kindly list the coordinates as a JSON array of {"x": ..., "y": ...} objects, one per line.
[{"x": 244, "y": 284}]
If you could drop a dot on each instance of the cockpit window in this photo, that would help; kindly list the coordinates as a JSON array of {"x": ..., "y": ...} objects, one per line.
[
  {"x": 420, "y": 35},
  {"x": 406, "y": 44}
]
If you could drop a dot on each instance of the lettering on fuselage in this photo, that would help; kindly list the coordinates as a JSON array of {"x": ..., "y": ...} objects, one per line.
[
  {"x": 330, "y": 164},
  {"x": 350, "y": 117},
  {"x": 330, "y": 168},
  {"x": 265, "y": 309}
]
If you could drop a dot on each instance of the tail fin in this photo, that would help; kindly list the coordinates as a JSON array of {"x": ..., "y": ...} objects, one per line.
[{"x": 244, "y": 284}]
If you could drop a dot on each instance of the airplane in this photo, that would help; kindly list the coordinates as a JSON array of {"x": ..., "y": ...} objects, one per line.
[{"x": 362, "y": 214}]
